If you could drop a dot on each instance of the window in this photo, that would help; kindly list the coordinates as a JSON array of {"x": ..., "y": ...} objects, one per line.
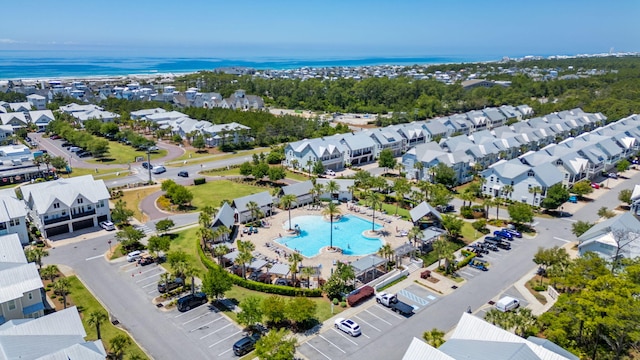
[
  {"x": 30, "y": 296},
  {"x": 56, "y": 205},
  {"x": 11, "y": 304},
  {"x": 14, "y": 222},
  {"x": 80, "y": 201},
  {"x": 491, "y": 178},
  {"x": 531, "y": 173}
]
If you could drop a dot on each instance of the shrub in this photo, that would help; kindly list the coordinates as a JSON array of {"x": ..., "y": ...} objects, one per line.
[
  {"x": 466, "y": 212},
  {"x": 343, "y": 304},
  {"x": 539, "y": 288},
  {"x": 199, "y": 181},
  {"x": 468, "y": 256},
  {"x": 335, "y": 301}
]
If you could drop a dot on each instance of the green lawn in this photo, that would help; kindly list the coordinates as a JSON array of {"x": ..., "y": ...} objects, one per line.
[
  {"x": 179, "y": 162},
  {"x": 236, "y": 172},
  {"x": 124, "y": 154},
  {"x": 192, "y": 155},
  {"x": 187, "y": 241},
  {"x": 86, "y": 303},
  {"x": 104, "y": 174},
  {"x": 469, "y": 233},
  {"x": 213, "y": 192},
  {"x": 133, "y": 198}
]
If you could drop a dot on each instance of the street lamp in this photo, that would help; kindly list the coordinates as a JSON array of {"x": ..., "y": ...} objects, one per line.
[{"x": 109, "y": 242}]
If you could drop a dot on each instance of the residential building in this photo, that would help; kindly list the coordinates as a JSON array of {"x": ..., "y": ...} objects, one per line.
[
  {"x": 141, "y": 114},
  {"x": 302, "y": 192},
  {"x": 328, "y": 151},
  {"x": 20, "y": 283},
  {"x": 358, "y": 148},
  {"x": 224, "y": 218},
  {"x": 635, "y": 200},
  {"x": 37, "y": 102},
  {"x": 6, "y": 134},
  {"x": 67, "y": 205},
  {"x": 13, "y": 215},
  {"x": 20, "y": 107},
  {"x": 617, "y": 237},
  {"x": 59, "y": 335},
  {"x": 476, "y": 339},
  {"x": 15, "y": 119},
  {"x": 41, "y": 118},
  {"x": 243, "y": 214},
  {"x": 345, "y": 188}
]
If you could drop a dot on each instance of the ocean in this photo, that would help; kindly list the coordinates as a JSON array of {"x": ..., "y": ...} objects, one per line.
[{"x": 33, "y": 65}]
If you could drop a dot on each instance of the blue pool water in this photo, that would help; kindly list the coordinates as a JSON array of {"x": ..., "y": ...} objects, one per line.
[{"x": 347, "y": 235}]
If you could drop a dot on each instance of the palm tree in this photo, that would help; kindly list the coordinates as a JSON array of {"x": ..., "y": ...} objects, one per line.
[
  {"x": 287, "y": 201},
  {"x": 373, "y": 199},
  {"x": 434, "y": 337},
  {"x": 204, "y": 219},
  {"x": 401, "y": 187},
  {"x": 294, "y": 260},
  {"x": 317, "y": 190},
  {"x": 486, "y": 204},
  {"x": 96, "y": 318},
  {"x": 221, "y": 233},
  {"x": 507, "y": 190},
  {"x": 496, "y": 202},
  {"x": 295, "y": 163},
  {"x": 61, "y": 287},
  {"x": 50, "y": 272},
  {"x": 494, "y": 316},
  {"x": 332, "y": 188},
  {"x": 164, "y": 278},
  {"x": 440, "y": 248},
  {"x": 419, "y": 166},
  {"x": 523, "y": 321},
  {"x": 467, "y": 196},
  {"x": 118, "y": 344},
  {"x": 205, "y": 234},
  {"x": 308, "y": 271},
  {"x": 35, "y": 254},
  {"x": 386, "y": 252},
  {"x": 535, "y": 190},
  {"x": 245, "y": 249},
  {"x": 46, "y": 159},
  {"x": 254, "y": 209},
  {"x": 190, "y": 271},
  {"x": 331, "y": 210},
  {"x": 309, "y": 165},
  {"x": 426, "y": 187},
  {"x": 219, "y": 252},
  {"x": 415, "y": 233}
]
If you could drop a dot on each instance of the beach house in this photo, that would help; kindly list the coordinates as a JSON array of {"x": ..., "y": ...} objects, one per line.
[
  {"x": 244, "y": 212},
  {"x": 13, "y": 215}
]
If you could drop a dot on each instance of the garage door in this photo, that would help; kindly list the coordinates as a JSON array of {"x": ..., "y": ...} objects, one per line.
[
  {"x": 102, "y": 218},
  {"x": 82, "y": 224},
  {"x": 57, "y": 230}
]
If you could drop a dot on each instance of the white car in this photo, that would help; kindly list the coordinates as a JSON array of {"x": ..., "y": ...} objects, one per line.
[
  {"x": 330, "y": 173},
  {"x": 107, "y": 225},
  {"x": 347, "y": 325}
]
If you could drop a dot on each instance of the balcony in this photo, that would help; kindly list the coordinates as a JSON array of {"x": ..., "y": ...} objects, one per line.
[
  {"x": 83, "y": 214},
  {"x": 57, "y": 220}
]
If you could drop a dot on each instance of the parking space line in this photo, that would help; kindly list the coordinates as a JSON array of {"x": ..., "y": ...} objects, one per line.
[
  {"x": 228, "y": 337},
  {"x": 378, "y": 317},
  {"x": 344, "y": 336},
  {"x": 564, "y": 240},
  {"x": 146, "y": 271},
  {"x": 222, "y": 353},
  {"x": 196, "y": 318},
  {"x": 336, "y": 346},
  {"x": 364, "y": 322},
  {"x": 153, "y": 283},
  {"x": 211, "y": 333},
  {"x": 94, "y": 257},
  {"x": 153, "y": 291},
  {"x": 126, "y": 265},
  {"x": 180, "y": 315},
  {"x": 316, "y": 349},
  {"x": 431, "y": 297},
  {"x": 148, "y": 277},
  {"x": 203, "y": 325}
]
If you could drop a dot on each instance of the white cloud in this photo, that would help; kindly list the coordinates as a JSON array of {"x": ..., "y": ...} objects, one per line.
[{"x": 8, "y": 41}]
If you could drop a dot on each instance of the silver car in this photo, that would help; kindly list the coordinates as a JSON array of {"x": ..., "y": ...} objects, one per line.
[{"x": 349, "y": 326}]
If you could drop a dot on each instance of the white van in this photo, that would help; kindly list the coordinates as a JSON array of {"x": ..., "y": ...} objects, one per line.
[
  {"x": 507, "y": 303},
  {"x": 134, "y": 255}
]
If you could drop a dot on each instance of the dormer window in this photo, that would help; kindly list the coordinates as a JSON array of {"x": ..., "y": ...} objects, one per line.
[
  {"x": 531, "y": 173},
  {"x": 80, "y": 200},
  {"x": 56, "y": 205}
]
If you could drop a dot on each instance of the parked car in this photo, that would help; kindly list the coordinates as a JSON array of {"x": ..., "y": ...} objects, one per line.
[
  {"x": 503, "y": 234},
  {"x": 613, "y": 175},
  {"x": 170, "y": 285},
  {"x": 66, "y": 144},
  {"x": 146, "y": 260},
  {"x": 246, "y": 344},
  {"x": 445, "y": 208},
  {"x": 191, "y": 301},
  {"x": 330, "y": 172},
  {"x": 595, "y": 185},
  {"x": 283, "y": 282},
  {"x": 496, "y": 241},
  {"x": 347, "y": 325},
  {"x": 507, "y": 303},
  {"x": 83, "y": 154},
  {"x": 513, "y": 232},
  {"x": 146, "y": 165},
  {"x": 107, "y": 225},
  {"x": 75, "y": 149},
  {"x": 134, "y": 255},
  {"x": 153, "y": 148},
  {"x": 183, "y": 174},
  {"x": 54, "y": 137}
]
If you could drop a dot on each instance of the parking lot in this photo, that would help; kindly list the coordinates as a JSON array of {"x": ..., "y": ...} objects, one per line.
[
  {"x": 208, "y": 330},
  {"x": 492, "y": 257},
  {"x": 375, "y": 320}
]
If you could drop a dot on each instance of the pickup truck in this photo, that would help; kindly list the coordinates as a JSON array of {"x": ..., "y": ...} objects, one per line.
[
  {"x": 170, "y": 285},
  {"x": 391, "y": 301}
]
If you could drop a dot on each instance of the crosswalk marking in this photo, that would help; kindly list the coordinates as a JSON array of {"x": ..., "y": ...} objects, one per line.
[{"x": 413, "y": 297}]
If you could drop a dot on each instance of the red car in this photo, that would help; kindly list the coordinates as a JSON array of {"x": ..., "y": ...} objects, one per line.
[
  {"x": 54, "y": 137},
  {"x": 595, "y": 186}
]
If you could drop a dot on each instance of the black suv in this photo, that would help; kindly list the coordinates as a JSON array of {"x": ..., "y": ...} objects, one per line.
[
  {"x": 191, "y": 301},
  {"x": 445, "y": 208},
  {"x": 246, "y": 344},
  {"x": 170, "y": 285}
]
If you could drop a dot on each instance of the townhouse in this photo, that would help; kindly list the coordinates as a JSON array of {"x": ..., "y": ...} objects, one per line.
[
  {"x": 618, "y": 236},
  {"x": 13, "y": 215},
  {"x": 20, "y": 283},
  {"x": 41, "y": 118},
  {"x": 243, "y": 206},
  {"x": 37, "y": 102},
  {"x": 67, "y": 205}
]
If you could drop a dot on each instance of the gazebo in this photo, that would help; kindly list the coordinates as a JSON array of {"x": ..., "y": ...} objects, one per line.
[{"x": 367, "y": 266}]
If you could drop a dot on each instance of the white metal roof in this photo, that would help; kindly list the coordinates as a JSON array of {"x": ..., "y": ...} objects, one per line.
[{"x": 66, "y": 191}]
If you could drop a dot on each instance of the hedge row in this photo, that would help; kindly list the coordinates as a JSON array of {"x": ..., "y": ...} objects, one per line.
[
  {"x": 468, "y": 255},
  {"x": 199, "y": 181},
  {"x": 258, "y": 286}
]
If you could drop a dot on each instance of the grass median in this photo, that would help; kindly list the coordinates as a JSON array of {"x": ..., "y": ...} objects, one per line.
[{"x": 125, "y": 154}]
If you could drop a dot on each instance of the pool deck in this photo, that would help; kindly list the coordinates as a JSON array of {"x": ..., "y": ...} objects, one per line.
[{"x": 266, "y": 244}]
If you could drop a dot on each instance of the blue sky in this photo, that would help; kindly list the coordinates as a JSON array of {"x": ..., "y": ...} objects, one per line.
[{"x": 321, "y": 29}]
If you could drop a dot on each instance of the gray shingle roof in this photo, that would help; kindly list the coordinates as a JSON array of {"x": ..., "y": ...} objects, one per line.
[
  {"x": 423, "y": 209},
  {"x": 261, "y": 198},
  {"x": 547, "y": 174},
  {"x": 298, "y": 189},
  {"x": 225, "y": 216}
]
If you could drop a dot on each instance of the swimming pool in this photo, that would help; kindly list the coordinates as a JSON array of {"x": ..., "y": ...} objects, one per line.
[{"x": 347, "y": 235}]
